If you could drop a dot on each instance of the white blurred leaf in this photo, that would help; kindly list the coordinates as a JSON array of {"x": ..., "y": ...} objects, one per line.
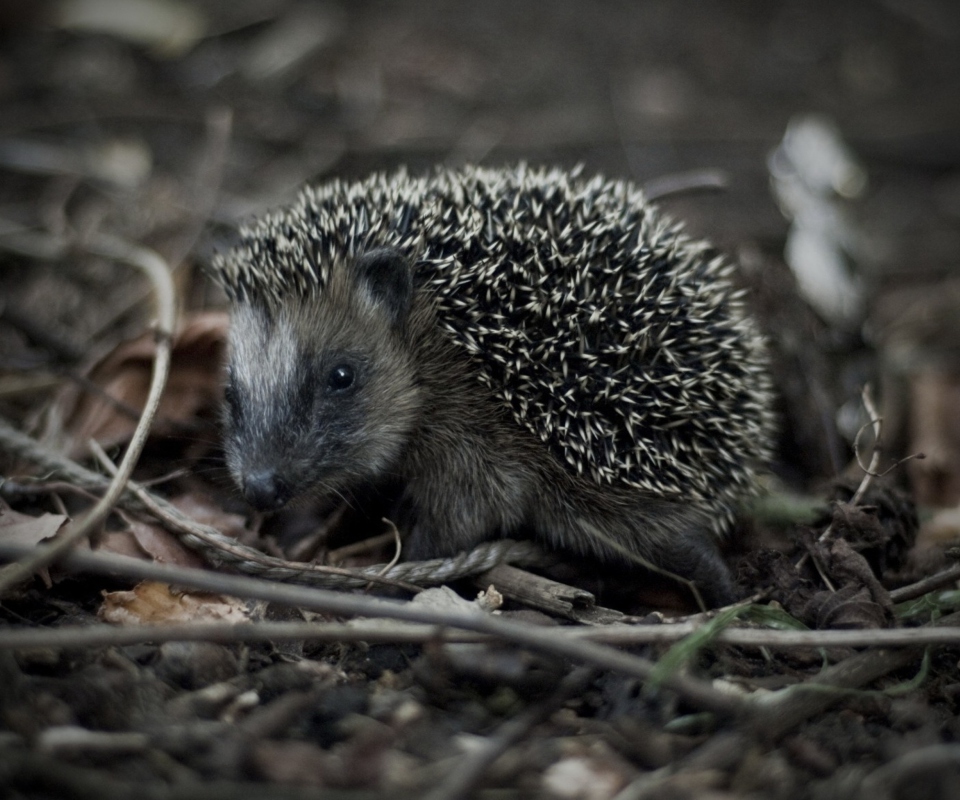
[
  {"x": 812, "y": 172},
  {"x": 167, "y": 27}
]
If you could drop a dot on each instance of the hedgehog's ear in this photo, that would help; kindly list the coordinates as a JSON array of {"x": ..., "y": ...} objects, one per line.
[{"x": 386, "y": 278}]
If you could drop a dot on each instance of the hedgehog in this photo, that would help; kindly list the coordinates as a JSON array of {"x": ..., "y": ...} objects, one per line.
[{"x": 524, "y": 351}]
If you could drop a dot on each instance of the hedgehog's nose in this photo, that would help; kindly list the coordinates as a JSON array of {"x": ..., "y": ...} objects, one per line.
[{"x": 265, "y": 491}]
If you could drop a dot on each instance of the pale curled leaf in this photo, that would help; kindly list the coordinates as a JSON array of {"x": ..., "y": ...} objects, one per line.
[
  {"x": 151, "y": 602},
  {"x": 24, "y": 529}
]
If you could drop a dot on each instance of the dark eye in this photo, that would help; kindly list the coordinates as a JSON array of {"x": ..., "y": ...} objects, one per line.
[
  {"x": 341, "y": 377},
  {"x": 230, "y": 395}
]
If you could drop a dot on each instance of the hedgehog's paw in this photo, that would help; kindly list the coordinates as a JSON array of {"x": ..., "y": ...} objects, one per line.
[{"x": 697, "y": 558}]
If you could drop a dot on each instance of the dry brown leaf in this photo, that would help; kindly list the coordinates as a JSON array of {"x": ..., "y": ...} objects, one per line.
[
  {"x": 163, "y": 546},
  {"x": 156, "y": 603},
  {"x": 124, "y": 375},
  {"x": 20, "y": 528},
  {"x": 23, "y": 529},
  {"x": 848, "y": 608},
  {"x": 774, "y": 573},
  {"x": 146, "y": 541},
  {"x": 205, "y": 510},
  {"x": 121, "y": 543},
  {"x": 860, "y": 600}
]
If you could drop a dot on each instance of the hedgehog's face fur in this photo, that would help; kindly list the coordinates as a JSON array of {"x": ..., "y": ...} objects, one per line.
[{"x": 321, "y": 391}]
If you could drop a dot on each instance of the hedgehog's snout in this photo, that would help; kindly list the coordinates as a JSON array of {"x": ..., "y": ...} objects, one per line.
[{"x": 266, "y": 490}]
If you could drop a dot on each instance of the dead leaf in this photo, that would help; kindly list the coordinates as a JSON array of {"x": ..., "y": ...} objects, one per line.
[
  {"x": 883, "y": 527},
  {"x": 205, "y": 510},
  {"x": 847, "y": 563},
  {"x": 775, "y": 574},
  {"x": 850, "y": 607},
  {"x": 194, "y": 384},
  {"x": 150, "y": 541},
  {"x": 18, "y": 528},
  {"x": 121, "y": 543},
  {"x": 152, "y": 603}
]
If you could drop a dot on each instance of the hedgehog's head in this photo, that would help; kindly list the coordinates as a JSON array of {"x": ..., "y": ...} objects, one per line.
[{"x": 321, "y": 391}]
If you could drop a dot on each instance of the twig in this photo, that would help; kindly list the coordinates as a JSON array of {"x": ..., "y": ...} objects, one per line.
[
  {"x": 382, "y": 631},
  {"x": 706, "y": 616},
  {"x": 159, "y": 275},
  {"x": 868, "y": 472},
  {"x": 60, "y": 740},
  {"x": 469, "y": 770},
  {"x": 693, "y": 690},
  {"x": 16, "y": 488},
  {"x": 535, "y": 591},
  {"x": 931, "y": 584},
  {"x": 398, "y": 547},
  {"x": 820, "y": 569}
]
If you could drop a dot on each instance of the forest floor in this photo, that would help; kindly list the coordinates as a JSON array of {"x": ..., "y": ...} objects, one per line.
[{"x": 183, "y": 647}]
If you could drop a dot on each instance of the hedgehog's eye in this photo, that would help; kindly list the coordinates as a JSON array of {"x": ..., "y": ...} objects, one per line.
[
  {"x": 230, "y": 395},
  {"x": 341, "y": 377}
]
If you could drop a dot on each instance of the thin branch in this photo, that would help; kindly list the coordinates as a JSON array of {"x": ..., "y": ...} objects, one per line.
[
  {"x": 942, "y": 579},
  {"x": 869, "y": 472},
  {"x": 155, "y": 268},
  {"x": 398, "y": 546},
  {"x": 374, "y": 630}
]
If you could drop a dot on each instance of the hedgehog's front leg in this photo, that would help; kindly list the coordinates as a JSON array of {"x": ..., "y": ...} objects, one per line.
[{"x": 461, "y": 497}]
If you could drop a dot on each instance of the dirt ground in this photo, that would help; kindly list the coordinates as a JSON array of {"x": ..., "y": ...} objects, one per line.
[{"x": 817, "y": 144}]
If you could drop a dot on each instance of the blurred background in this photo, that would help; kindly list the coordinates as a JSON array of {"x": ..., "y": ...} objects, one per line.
[{"x": 817, "y": 143}]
